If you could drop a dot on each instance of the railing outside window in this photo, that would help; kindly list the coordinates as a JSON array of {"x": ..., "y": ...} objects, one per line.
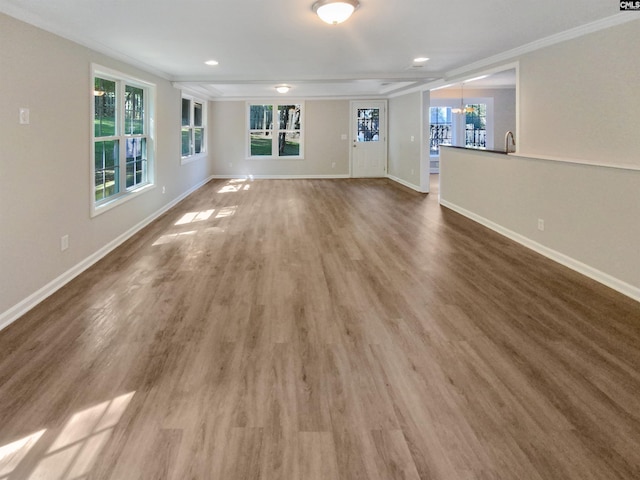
[{"x": 440, "y": 129}]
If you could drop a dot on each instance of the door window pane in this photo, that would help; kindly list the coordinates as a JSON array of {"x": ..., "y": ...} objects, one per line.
[{"x": 368, "y": 125}]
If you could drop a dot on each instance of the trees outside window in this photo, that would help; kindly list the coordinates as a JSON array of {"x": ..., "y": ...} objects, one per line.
[
  {"x": 121, "y": 140},
  {"x": 193, "y": 133},
  {"x": 275, "y": 130}
]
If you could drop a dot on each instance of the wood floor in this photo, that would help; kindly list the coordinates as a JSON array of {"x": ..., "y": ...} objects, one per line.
[{"x": 321, "y": 329}]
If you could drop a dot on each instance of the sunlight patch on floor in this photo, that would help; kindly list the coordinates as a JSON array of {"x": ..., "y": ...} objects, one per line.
[
  {"x": 192, "y": 217},
  {"x": 12, "y": 453},
  {"x": 235, "y": 185},
  {"x": 227, "y": 212},
  {"x": 171, "y": 237},
  {"x": 74, "y": 450}
]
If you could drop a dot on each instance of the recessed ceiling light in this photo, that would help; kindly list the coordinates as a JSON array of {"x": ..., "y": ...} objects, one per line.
[
  {"x": 211, "y": 63},
  {"x": 420, "y": 59},
  {"x": 283, "y": 88}
]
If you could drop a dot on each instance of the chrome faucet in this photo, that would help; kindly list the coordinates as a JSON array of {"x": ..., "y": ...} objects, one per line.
[{"x": 506, "y": 141}]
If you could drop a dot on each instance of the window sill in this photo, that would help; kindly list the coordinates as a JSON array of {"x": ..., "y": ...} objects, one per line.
[
  {"x": 261, "y": 158},
  {"x": 120, "y": 199}
]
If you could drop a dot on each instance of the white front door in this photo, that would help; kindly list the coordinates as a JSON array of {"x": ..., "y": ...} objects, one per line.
[{"x": 369, "y": 138}]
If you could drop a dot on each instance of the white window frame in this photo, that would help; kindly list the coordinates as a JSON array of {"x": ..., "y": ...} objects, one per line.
[
  {"x": 125, "y": 194},
  {"x": 275, "y": 130},
  {"x": 192, "y": 157}
]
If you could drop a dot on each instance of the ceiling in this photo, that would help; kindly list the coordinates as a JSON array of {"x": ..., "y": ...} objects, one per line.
[{"x": 262, "y": 43}]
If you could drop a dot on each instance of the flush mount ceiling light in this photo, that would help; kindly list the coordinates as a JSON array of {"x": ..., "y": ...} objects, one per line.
[
  {"x": 283, "y": 88},
  {"x": 335, "y": 11},
  {"x": 420, "y": 59},
  {"x": 211, "y": 63}
]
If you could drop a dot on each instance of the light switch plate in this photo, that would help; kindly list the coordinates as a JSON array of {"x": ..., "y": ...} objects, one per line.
[{"x": 24, "y": 116}]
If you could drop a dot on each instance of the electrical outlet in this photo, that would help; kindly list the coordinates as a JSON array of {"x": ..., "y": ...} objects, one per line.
[
  {"x": 541, "y": 224},
  {"x": 333, "y": 165},
  {"x": 64, "y": 243},
  {"x": 164, "y": 189}
]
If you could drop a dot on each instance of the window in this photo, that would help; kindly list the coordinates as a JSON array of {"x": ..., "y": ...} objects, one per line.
[
  {"x": 475, "y": 125},
  {"x": 275, "y": 131},
  {"x": 193, "y": 129},
  {"x": 121, "y": 141},
  {"x": 368, "y": 125},
  {"x": 440, "y": 129}
]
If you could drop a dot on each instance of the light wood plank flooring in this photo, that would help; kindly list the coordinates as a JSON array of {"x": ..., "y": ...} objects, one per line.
[{"x": 321, "y": 329}]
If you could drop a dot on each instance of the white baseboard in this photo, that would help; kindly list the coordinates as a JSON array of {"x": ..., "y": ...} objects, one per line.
[
  {"x": 593, "y": 273},
  {"x": 280, "y": 177},
  {"x": 9, "y": 316},
  {"x": 406, "y": 184}
]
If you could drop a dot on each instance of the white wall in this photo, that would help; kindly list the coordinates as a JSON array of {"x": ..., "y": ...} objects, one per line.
[
  {"x": 591, "y": 213},
  {"x": 325, "y": 123},
  {"x": 45, "y": 166},
  {"x": 405, "y": 121},
  {"x": 578, "y": 101}
]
